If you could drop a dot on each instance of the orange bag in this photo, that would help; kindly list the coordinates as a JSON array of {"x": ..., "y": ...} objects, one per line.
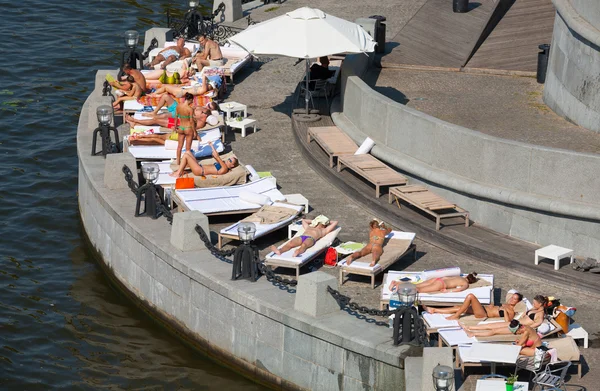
[
  {"x": 184, "y": 183},
  {"x": 562, "y": 319}
]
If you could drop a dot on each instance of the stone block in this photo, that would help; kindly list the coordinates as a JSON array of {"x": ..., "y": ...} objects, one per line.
[
  {"x": 183, "y": 232},
  {"x": 199, "y": 295},
  {"x": 159, "y": 33},
  {"x": 431, "y": 358},
  {"x": 269, "y": 331},
  {"x": 114, "y": 179},
  {"x": 351, "y": 384},
  {"x": 360, "y": 368},
  {"x": 298, "y": 371},
  {"x": 412, "y": 373},
  {"x": 232, "y": 11},
  {"x": 298, "y": 343},
  {"x": 244, "y": 345},
  {"x": 221, "y": 308},
  {"x": 389, "y": 377},
  {"x": 327, "y": 380},
  {"x": 200, "y": 322},
  {"x": 312, "y": 297},
  {"x": 269, "y": 359},
  {"x": 244, "y": 319},
  {"x": 220, "y": 334},
  {"x": 328, "y": 355}
]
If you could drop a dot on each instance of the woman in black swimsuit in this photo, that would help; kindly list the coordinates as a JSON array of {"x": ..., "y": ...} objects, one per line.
[{"x": 471, "y": 305}]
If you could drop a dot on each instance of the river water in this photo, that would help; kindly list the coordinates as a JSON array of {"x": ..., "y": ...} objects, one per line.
[{"x": 61, "y": 324}]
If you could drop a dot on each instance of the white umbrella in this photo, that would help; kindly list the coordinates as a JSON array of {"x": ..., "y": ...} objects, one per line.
[{"x": 304, "y": 33}]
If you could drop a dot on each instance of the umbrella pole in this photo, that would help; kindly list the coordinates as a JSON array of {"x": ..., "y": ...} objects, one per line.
[
  {"x": 306, "y": 115},
  {"x": 307, "y": 85}
]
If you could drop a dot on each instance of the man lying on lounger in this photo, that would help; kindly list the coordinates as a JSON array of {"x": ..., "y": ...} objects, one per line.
[{"x": 313, "y": 230}]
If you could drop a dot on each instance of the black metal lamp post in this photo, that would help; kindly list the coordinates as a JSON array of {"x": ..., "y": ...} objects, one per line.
[
  {"x": 408, "y": 326},
  {"x": 148, "y": 193},
  {"x": 192, "y": 21},
  {"x": 104, "y": 114},
  {"x": 443, "y": 378},
  {"x": 132, "y": 55},
  {"x": 245, "y": 257}
]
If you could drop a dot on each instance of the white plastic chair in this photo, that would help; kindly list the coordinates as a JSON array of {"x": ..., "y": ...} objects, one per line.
[
  {"x": 319, "y": 86},
  {"x": 552, "y": 377}
]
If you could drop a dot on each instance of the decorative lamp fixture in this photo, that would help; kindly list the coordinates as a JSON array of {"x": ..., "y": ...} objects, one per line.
[
  {"x": 245, "y": 258},
  {"x": 193, "y": 4},
  {"x": 246, "y": 232},
  {"x": 132, "y": 38},
  {"x": 105, "y": 114},
  {"x": 408, "y": 326},
  {"x": 443, "y": 378},
  {"x": 407, "y": 294},
  {"x": 149, "y": 193},
  {"x": 131, "y": 55}
]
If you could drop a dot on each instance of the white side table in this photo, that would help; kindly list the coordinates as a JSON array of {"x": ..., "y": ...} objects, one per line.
[
  {"x": 578, "y": 332},
  {"x": 294, "y": 227},
  {"x": 499, "y": 385},
  {"x": 243, "y": 125},
  {"x": 553, "y": 252},
  {"x": 233, "y": 107},
  {"x": 297, "y": 199}
]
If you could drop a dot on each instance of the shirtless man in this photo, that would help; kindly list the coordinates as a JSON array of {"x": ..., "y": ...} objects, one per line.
[
  {"x": 471, "y": 305},
  {"x": 211, "y": 54},
  {"x": 138, "y": 76},
  {"x": 313, "y": 230},
  {"x": 134, "y": 92},
  {"x": 171, "y": 54}
]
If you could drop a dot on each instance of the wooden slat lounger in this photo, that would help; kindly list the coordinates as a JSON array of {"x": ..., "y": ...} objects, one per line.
[
  {"x": 428, "y": 202},
  {"x": 333, "y": 141},
  {"x": 373, "y": 170}
]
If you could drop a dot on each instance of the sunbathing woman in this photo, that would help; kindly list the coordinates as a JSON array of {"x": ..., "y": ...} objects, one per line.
[
  {"x": 442, "y": 284},
  {"x": 219, "y": 167},
  {"x": 134, "y": 92},
  {"x": 201, "y": 115},
  {"x": 153, "y": 76},
  {"x": 471, "y": 305},
  {"x": 529, "y": 340},
  {"x": 533, "y": 318},
  {"x": 178, "y": 90},
  {"x": 375, "y": 246},
  {"x": 314, "y": 230}
]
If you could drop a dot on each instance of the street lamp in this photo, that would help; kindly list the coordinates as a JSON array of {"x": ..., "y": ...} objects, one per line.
[
  {"x": 149, "y": 192},
  {"x": 193, "y": 4},
  {"x": 408, "y": 326},
  {"x": 443, "y": 378},
  {"x": 132, "y": 55},
  {"x": 245, "y": 257},
  {"x": 104, "y": 114}
]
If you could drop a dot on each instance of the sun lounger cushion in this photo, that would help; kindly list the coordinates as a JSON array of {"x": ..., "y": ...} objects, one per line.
[
  {"x": 483, "y": 293},
  {"x": 226, "y": 199},
  {"x": 566, "y": 348},
  {"x": 266, "y": 227},
  {"x": 310, "y": 253},
  {"x": 396, "y": 244},
  {"x": 255, "y": 198}
]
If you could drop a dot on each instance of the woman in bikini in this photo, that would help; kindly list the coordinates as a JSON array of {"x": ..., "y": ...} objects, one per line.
[
  {"x": 443, "y": 284},
  {"x": 167, "y": 120},
  {"x": 185, "y": 125},
  {"x": 529, "y": 340},
  {"x": 471, "y": 305},
  {"x": 375, "y": 247},
  {"x": 219, "y": 167},
  {"x": 533, "y": 318},
  {"x": 178, "y": 90}
]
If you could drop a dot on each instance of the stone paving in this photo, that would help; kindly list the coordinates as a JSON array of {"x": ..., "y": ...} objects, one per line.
[{"x": 267, "y": 89}]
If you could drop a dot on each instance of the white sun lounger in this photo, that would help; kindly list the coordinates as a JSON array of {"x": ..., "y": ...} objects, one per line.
[
  {"x": 161, "y": 151},
  {"x": 226, "y": 200},
  {"x": 483, "y": 294},
  {"x": 261, "y": 229},
  {"x": 287, "y": 260}
]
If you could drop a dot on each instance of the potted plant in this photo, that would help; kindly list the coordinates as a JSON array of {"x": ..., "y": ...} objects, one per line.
[{"x": 510, "y": 382}]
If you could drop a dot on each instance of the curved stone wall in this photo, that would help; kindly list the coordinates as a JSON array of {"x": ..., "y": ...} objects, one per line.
[
  {"x": 572, "y": 81},
  {"x": 252, "y": 327},
  {"x": 542, "y": 195}
]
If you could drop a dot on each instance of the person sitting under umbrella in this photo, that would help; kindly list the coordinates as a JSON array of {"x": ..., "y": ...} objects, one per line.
[{"x": 320, "y": 71}]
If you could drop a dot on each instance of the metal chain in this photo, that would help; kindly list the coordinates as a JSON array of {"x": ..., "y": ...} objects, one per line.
[
  {"x": 272, "y": 277},
  {"x": 133, "y": 186},
  {"x": 107, "y": 90},
  {"x": 345, "y": 301},
  {"x": 211, "y": 247}
]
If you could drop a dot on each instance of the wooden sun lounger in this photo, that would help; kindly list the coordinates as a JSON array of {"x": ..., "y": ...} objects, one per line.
[
  {"x": 393, "y": 251},
  {"x": 333, "y": 141},
  {"x": 428, "y": 202},
  {"x": 372, "y": 169}
]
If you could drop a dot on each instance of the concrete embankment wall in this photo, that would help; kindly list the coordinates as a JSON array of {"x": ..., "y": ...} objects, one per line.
[
  {"x": 572, "y": 81},
  {"x": 252, "y": 327},
  {"x": 538, "y": 194}
]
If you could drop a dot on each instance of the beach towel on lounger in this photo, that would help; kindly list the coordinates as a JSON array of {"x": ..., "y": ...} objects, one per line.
[
  {"x": 310, "y": 252},
  {"x": 396, "y": 243}
]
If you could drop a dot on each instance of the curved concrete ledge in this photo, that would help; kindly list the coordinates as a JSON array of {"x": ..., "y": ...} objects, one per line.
[
  {"x": 571, "y": 14},
  {"x": 531, "y": 192},
  {"x": 571, "y": 81},
  {"x": 252, "y": 327}
]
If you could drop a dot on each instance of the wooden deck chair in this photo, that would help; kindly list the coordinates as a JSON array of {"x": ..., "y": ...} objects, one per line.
[
  {"x": 427, "y": 201},
  {"x": 333, "y": 141},
  {"x": 373, "y": 170}
]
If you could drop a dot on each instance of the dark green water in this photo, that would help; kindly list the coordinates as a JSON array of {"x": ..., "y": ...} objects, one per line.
[{"x": 61, "y": 324}]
